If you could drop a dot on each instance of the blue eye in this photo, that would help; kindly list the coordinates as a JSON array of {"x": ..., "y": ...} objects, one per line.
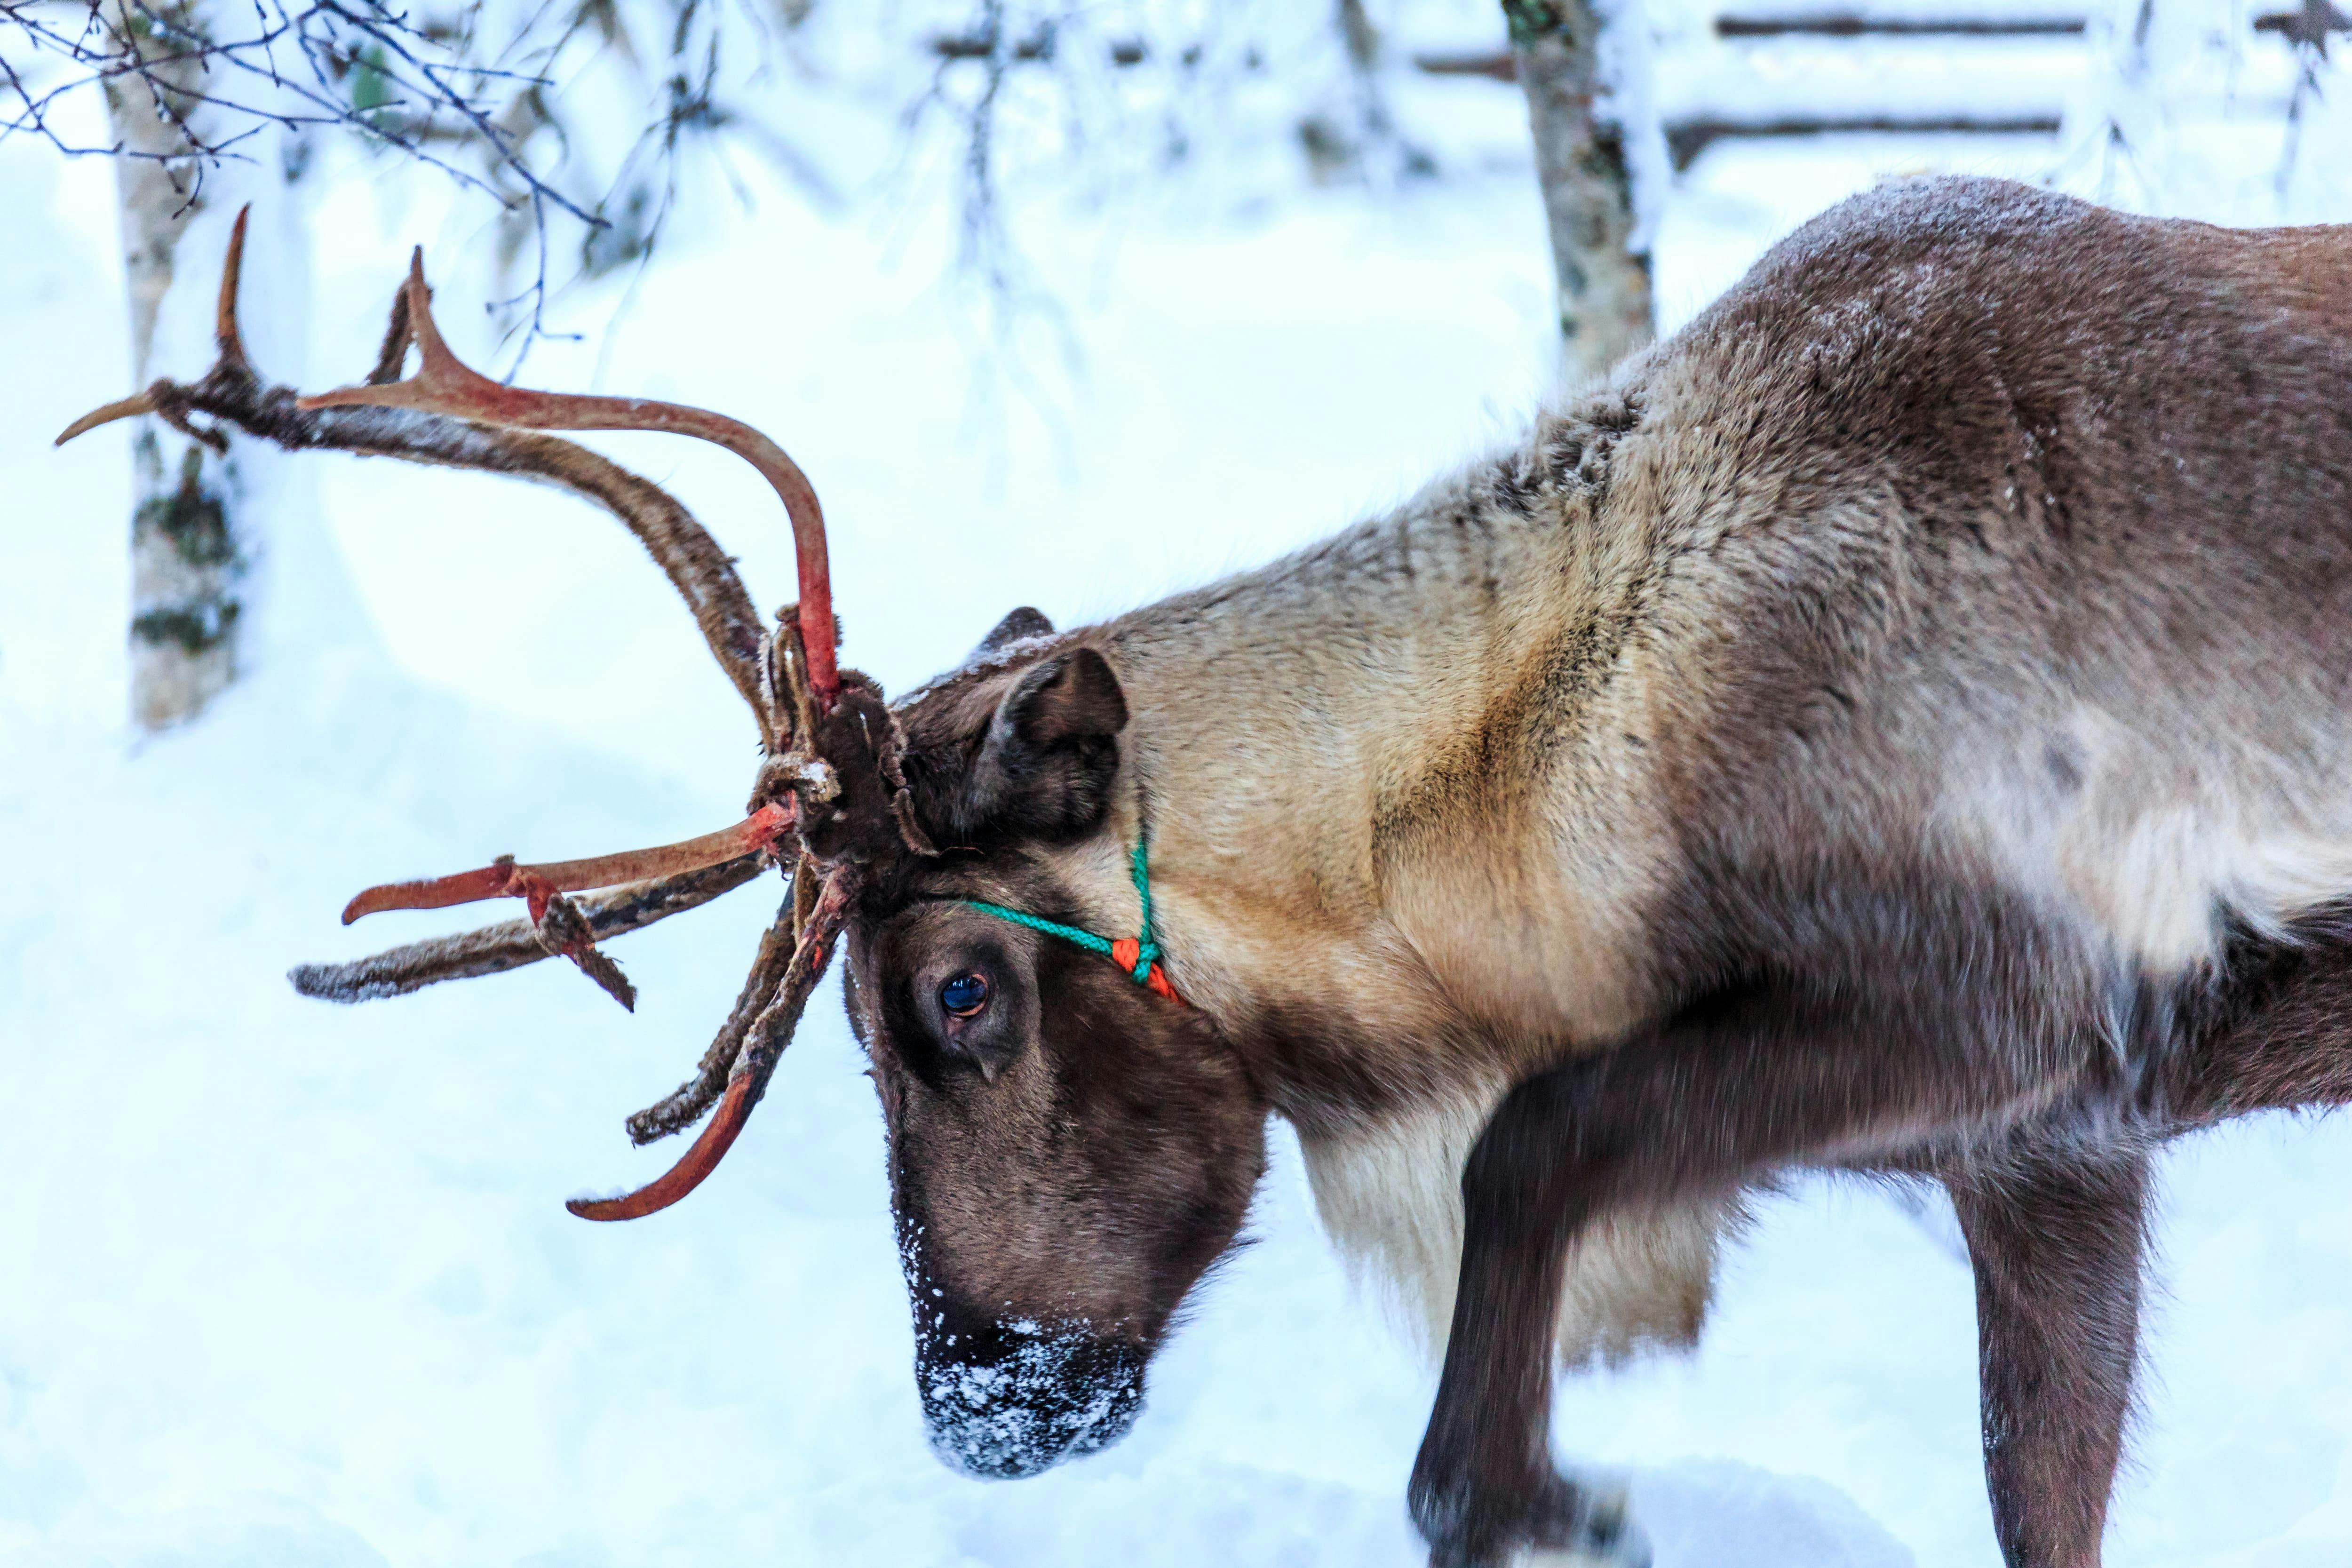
[{"x": 964, "y": 996}]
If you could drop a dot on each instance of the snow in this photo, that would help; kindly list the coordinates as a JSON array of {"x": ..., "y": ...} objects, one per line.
[
  {"x": 1760, "y": 82},
  {"x": 286, "y": 1284}
]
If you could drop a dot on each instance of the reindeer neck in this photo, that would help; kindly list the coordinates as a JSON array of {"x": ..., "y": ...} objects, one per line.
[{"x": 1356, "y": 760}]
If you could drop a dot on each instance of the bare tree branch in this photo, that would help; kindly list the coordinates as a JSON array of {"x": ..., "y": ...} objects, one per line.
[{"x": 476, "y": 104}]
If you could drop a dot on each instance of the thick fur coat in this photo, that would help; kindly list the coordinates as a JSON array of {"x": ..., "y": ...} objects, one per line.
[
  {"x": 1902, "y": 722},
  {"x": 1882, "y": 559}
]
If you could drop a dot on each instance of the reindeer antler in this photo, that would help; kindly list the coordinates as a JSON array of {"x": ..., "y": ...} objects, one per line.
[
  {"x": 505, "y": 879},
  {"x": 445, "y": 385},
  {"x": 703, "y": 574},
  {"x": 764, "y": 1047},
  {"x": 494, "y": 950},
  {"x": 831, "y": 777}
]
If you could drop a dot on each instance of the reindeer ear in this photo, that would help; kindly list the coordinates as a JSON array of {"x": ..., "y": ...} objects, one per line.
[
  {"x": 1045, "y": 766},
  {"x": 1019, "y": 626}
]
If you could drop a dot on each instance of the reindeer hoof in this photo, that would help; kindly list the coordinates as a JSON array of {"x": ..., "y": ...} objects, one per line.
[
  {"x": 1599, "y": 1532},
  {"x": 1566, "y": 1523}
]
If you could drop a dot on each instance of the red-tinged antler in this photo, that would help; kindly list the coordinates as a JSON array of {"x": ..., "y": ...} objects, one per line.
[
  {"x": 445, "y": 385},
  {"x": 502, "y": 879},
  {"x": 557, "y": 923},
  {"x": 228, "y": 344},
  {"x": 762, "y": 1048},
  {"x": 232, "y": 393},
  {"x": 830, "y": 776}
]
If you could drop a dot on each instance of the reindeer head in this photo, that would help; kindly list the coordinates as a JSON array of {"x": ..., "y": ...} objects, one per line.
[{"x": 1070, "y": 1144}]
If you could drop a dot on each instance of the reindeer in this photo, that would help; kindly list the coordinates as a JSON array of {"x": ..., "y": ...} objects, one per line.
[{"x": 1900, "y": 724}]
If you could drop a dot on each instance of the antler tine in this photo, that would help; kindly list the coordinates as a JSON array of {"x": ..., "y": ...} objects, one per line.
[
  {"x": 445, "y": 385},
  {"x": 129, "y": 408},
  {"x": 762, "y": 1048},
  {"x": 225, "y": 336},
  {"x": 686, "y": 1104},
  {"x": 157, "y": 398}
]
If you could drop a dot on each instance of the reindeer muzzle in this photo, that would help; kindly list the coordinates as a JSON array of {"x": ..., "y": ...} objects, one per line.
[{"x": 1005, "y": 1401}]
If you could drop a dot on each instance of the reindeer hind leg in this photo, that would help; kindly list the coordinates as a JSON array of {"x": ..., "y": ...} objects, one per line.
[
  {"x": 2057, "y": 1238},
  {"x": 2277, "y": 1033}
]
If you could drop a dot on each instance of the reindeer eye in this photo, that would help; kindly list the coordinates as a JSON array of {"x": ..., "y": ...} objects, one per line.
[{"x": 964, "y": 996}]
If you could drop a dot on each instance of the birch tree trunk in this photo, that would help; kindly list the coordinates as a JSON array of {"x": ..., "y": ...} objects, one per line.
[
  {"x": 1587, "y": 175},
  {"x": 194, "y": 543}
]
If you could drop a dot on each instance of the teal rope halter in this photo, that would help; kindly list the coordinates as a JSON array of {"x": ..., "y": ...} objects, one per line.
[{"x": 1141, "y": 957}]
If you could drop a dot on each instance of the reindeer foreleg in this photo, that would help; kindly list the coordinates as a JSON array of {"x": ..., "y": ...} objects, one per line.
[{"x": 1703, "y": 1106}]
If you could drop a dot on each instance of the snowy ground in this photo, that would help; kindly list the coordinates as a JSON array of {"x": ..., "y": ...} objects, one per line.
[{"x": 285, "y": 1286}]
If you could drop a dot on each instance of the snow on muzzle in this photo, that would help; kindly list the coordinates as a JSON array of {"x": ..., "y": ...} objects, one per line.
[{"x": 1004, "y": 1400}]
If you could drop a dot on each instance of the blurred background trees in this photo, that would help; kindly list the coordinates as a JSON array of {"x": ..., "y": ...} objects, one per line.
[
  {"x": 580, "y": 134},
  {"x": 566, "y": 122}
]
